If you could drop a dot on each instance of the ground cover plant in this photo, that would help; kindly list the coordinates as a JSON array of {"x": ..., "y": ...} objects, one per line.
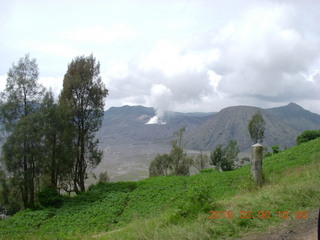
[{"x": 178, "y": 207}]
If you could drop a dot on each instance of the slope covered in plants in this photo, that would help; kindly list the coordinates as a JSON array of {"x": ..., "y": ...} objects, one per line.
[{"x": 178, "y": 207}]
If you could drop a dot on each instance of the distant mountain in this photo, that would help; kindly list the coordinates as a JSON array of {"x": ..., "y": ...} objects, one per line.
[
  {"x": 129, "y": 144},
  {"x": 297, "y": 117},
  {"x": 128, "y": 124},
  {"x": 232, "y": 124},
  {"x": 283, "y": 124}
]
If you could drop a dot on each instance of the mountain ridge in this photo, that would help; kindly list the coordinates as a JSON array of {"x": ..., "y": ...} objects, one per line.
[{"x": 129, "y": 144}]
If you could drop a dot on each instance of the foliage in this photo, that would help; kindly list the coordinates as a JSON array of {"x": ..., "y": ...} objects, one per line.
[
  {"x": 256, "y": 127},
  {"x": 84, "y": 93},
  {"x": 175, "y": 163},
  {"x": 275, "y": 150},
  {"x": 201, "y": 161},
  {"x": 160, "y": 166},
  {"x": 176, "y": 206},
  {"x": 4, "y": 193},
  {"x": 181, "y": 162},
  {"x": 217, "y": 156},
  {"x": 49, "y": 197},
  {"x": 58, "y": 133},
  {"x": 308, "y": 135},
  {"x": 223, "y": 158},
  {"x": 19, "y": 102},
  {"x": 103, "y": 177}
]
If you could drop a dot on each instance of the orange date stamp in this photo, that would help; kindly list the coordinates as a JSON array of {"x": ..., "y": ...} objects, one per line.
[{"x": 258, "y": 214}]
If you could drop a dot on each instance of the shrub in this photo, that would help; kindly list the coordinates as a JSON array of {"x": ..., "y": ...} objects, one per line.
[
  {"x": 50, "y": 197},
  {"x": 307, "y": 136}
]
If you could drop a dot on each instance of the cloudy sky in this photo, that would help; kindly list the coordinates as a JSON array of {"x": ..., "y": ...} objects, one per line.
[{"x": 188, "y": 55}]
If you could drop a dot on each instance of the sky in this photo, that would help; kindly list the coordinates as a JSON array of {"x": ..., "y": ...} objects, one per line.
[{"x": 186, "y": 56}]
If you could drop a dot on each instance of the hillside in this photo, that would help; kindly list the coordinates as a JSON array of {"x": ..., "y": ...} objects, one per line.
[{"x": 178, "y": 207}]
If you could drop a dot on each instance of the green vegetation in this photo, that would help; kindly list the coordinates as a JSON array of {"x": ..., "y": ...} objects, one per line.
[
  {"x": 275, "y": 149},
  {"x": 175, "y": 163},
  {"x": 224, "y": 158},
  {"x": 256, "y": 127},
  {"x": 177, "y": 207},
  {"x": 308, "y": 135},
  {"x": 84, "y": 93},
  {"x": 48, "y": 143}
]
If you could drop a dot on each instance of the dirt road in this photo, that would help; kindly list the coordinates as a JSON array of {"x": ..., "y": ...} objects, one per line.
[{"x": 295, "y": 229}]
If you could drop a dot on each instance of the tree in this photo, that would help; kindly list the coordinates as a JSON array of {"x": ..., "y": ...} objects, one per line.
[
  {"x": 176, "y": 162},
  {"x": 22, "y": 154},
  {"x": 307, "y": 136},
  {"x": 22, "y": 94},
  {"x": 19, "y": 101},
  {"x": 179, "y": 134},
  {"x": 4, "y": 193},
  {"x": 256, "y": 127},
  {"x": 231, "y": 155},
  {"x": 58, "y": 133},
  {"x": 181, "y": 162},
  {"x": 201, "y": 161},
  {"x": 217, "y": 156},
  {"x": 103, "y": 177},
  {"x": 161, "y": 166},
  {"x": 224, "y": 158},
  {"x": 84, "y": 92}
]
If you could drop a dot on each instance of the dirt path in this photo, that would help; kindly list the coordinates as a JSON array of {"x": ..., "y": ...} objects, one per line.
[{"x": 295, "y": 229}]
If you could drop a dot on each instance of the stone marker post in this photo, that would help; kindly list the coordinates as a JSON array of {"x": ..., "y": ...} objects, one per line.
[{"x": 256, "y": 164}]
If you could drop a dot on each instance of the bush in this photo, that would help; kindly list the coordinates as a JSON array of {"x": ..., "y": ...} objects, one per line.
[
  {"x": 50, "y": 197},
  {"x": 307, "y": 136}
]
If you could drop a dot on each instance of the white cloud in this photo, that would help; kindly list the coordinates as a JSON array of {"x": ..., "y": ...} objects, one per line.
[
  {"x": 57, "y": 49},
  {"x": 264, "y": 56},
  {"x": 172, "y": 59},
  {"x": 207, "y": 54},
  {"x": 101, "y": 34},
  {"x": 55, "y": 83}
]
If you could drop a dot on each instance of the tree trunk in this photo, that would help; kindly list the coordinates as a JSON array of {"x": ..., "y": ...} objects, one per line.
[
  {"x": 82, "y": 170},
  {"x": 53, "y": 164},
  {"x": 31, "y": 179},
  {"x": 25, "y": 196}
]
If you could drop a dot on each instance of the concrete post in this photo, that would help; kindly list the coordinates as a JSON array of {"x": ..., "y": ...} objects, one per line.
[{"x": 256, "y": 164}]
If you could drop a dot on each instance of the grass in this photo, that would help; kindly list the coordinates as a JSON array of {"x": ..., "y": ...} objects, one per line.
[{"x": 178, "y": 207}]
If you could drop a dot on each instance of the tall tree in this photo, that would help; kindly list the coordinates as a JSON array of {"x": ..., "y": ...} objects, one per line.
[
  {"x": 84, "y": 93},
  {"x": 58, "y": 133},
  {"x": 20, "y": 99},
  {"x": 181, "y": 162},
  {"x": 256, "y": 127},
  {"x": 22, "y": 154}
]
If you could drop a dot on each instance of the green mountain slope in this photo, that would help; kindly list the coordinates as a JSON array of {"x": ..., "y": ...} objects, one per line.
[{"x": 178, "y": 207}]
